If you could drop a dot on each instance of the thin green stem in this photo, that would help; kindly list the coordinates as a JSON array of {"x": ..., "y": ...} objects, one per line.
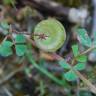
[
  {"x": 87, "y": 51},
  {"x": 44, "y": 71}
]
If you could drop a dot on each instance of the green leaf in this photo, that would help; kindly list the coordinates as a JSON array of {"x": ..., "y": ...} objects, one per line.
[
  {"x": 83, "y": 37},
  {"x": 5, "y": 48},
  {"x": 82, "y": 58},
  {"x": 70, "y": 76},
  {"x": 5, "y": 51},
  {"x": 4, "y": 25},
  {"x": 80, "y": 66},
  {"x": 63, "y": 64},
  {"x": 7, "y": 43},
  {"x": 75, "y": 50},
  {"x": 20, "y": 38},
  {"x": 20, "y": 49}
]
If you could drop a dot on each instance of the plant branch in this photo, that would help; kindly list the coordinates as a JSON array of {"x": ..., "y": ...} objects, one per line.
[
  {"x": 87, "y": 51},
  {"x": 44, "y": 71},
  {"x": 86, "y": 81}
]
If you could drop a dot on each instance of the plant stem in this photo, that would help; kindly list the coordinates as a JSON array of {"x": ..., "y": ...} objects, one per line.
[
  {"x": 86, "y": 81},
  {"x": 85, "y": 52},
  {"x": 44, "y": 71},
  {"x": 88, "y": 50}
]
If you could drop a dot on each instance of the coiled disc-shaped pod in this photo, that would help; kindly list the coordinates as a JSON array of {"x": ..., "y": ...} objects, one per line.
[{"x": 54, "y": 33}]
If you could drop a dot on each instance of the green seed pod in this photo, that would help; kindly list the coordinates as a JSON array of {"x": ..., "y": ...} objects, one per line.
[{"x": 54, "y": 33}]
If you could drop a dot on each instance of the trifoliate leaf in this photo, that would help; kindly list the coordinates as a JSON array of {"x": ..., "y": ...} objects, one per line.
[
  {"x": 83, "y": 37},
  {"x": 20, "y": 49},
  {"x": 70, "y": 76},
  {"x": 80, "y": 66},
  {"x": 64, "y": 64},
  {"x": 20, "y": 38},
  {"x": 75, "y": 50}
]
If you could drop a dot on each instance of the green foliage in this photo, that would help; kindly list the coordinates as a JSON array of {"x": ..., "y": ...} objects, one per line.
[
  {"x": 4, "y": 26},
  {"x": 7, "y": 43},
  {"x": 5, "y": 48},
  {"x": 56, "y": 36},
  {"x": 64, "y": 64},
  {"x": 44, "y": 71},
  {"x": 80, "y": 66},
  {"x": 5, "y": 51},
  {"x": 75, "y": 50},
  {"x": 70, "y": 75},
  {"x": 20, "y": 47},
  {"x": 81, "y": 58},
  {"x": 20, "y": 38},
  {"x": 83, "y": 37}
]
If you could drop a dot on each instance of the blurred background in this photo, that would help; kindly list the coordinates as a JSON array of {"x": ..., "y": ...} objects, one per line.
[{"x": 17, "y": 76}]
